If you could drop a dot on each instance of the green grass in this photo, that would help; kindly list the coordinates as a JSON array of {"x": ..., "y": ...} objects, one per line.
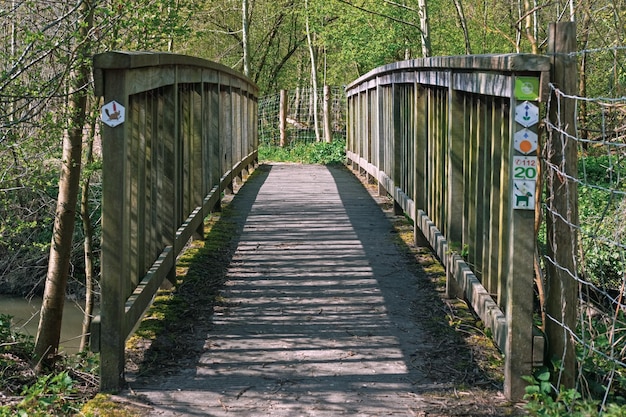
[{"x": 305, "y": 153}]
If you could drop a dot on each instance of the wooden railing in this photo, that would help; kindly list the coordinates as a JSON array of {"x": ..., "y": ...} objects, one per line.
[
  {"x": 176, "y": 132},
  {"x": 453, "y": 140}
]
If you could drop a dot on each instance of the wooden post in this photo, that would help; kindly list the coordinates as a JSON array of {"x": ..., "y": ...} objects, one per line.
[
  {"x": 561, "y": 289},
  {"x": 519, "y": 277},
  {"x": 328, "y": 134},
  {"x": 114, "y": 262},
  {"x": 282, "y": 118}
]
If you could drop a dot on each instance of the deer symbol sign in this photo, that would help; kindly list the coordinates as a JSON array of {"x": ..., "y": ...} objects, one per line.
[{"x": 113, "y": 114}]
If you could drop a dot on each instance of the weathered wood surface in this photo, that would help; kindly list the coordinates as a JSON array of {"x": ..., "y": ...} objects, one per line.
[
  {"x": 562, "y": 219},
  {"x": 186, "y": 136},
  {"x": 320, "y": 313},
  {"x": 443, "y": 129}
]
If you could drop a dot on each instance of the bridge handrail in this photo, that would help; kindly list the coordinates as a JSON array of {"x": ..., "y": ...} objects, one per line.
[
  {"x": 437, "y": 134},
  {"x": 182, "y": 130}
]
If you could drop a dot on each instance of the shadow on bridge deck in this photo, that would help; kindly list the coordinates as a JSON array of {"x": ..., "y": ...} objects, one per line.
[{"x": 322, "y": 315}]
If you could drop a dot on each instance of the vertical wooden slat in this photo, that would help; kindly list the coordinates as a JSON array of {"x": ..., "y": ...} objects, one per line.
[
  {"x": 152, "y": 240},
  {"x": 480, "y": 190},
  {"x": 492, "y": 268},
  {"x": 226, "y": 131},
  {"x": 169, "y": 116},
  {"x": 431, "y": 151},
  {"x": 487, "y": 188},
  {"x": 469, "y": 241},
  {"x": 132, "y": 191},
  {"x": 214, "y": 135},
  {"x": 421, "y": 141},
  {"x": 196, "y": 156},
  {"x": 456, "y": 165},
  {"x": 505, "y": 210},
  {"x": 140, "y": 204},
  {"x": 396, "y": 129},
  {"x": 442, "y": 139},
  {"x": 380, "y": 133}
]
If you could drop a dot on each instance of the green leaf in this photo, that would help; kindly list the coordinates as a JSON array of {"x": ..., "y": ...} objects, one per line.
[{"x": 543, "y": 374}]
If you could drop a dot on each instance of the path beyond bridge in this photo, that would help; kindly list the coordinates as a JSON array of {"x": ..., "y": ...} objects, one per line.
[{"x": 323, "y": 317}]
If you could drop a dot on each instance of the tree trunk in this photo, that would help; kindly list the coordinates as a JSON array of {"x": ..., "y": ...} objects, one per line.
[
  {"x": 244, "y": 38},
  {"x": 582, "y": 83},
  {"x": 49, "y": 331},
  {"x": 528, "y": 27},
  {"x": 463, "y": 22},
  {"x": 425, "y": 28},
  {"x": 316, "y": 122},
  {"x": 87, "y": 246}
]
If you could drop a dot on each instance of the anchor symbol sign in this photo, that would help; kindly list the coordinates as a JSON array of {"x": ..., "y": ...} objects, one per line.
[
  {"x": 526, "y": 116},
  {"x": 113, "y": 114}
]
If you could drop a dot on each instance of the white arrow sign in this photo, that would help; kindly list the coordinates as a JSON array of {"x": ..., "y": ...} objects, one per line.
[
  {"x": 527, "y": 114},
  {"x": 113, "y": 114}
]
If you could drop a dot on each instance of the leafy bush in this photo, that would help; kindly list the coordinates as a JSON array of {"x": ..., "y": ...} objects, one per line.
[{"x": 52, "y": 394}]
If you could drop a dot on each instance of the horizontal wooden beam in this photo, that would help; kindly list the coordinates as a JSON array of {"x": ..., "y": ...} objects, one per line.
[
  {"x": 155, "y": 63},
  {"x": 474, "y": 292},
  {"x": 142, "y": 296},
  {"x": 495, "y": 63}
]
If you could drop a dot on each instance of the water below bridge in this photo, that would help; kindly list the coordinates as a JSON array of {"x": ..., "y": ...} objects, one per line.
[
  {"x": 321, "y": 314},
  {"x": 25, "y": 319}
]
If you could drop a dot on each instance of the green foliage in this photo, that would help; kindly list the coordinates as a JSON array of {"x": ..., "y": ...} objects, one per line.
[
  {"x": 153, "y": 25},
  {"x": 607, "y": 336},
  {"x": 306, "y": 153},
  {"x": 12, "y": 341},
  {"x": 546, "y": 401},
  {"x": 50, "y": 395},
  {"x": 601, "y": 210}
]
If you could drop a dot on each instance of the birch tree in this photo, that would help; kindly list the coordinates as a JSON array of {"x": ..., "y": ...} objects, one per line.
[
  {"x": 313, "y": 57},
  {"x": 245, "y": 38},
  {"x": 463, "y": 23}
]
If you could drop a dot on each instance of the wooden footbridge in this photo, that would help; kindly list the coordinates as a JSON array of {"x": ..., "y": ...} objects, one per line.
[{"x": 452, "y": 139}]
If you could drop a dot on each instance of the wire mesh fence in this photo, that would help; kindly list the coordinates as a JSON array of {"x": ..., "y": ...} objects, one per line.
[
  {"x": 595, "y": 227},
  {"x": 300, "y": 120}
]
